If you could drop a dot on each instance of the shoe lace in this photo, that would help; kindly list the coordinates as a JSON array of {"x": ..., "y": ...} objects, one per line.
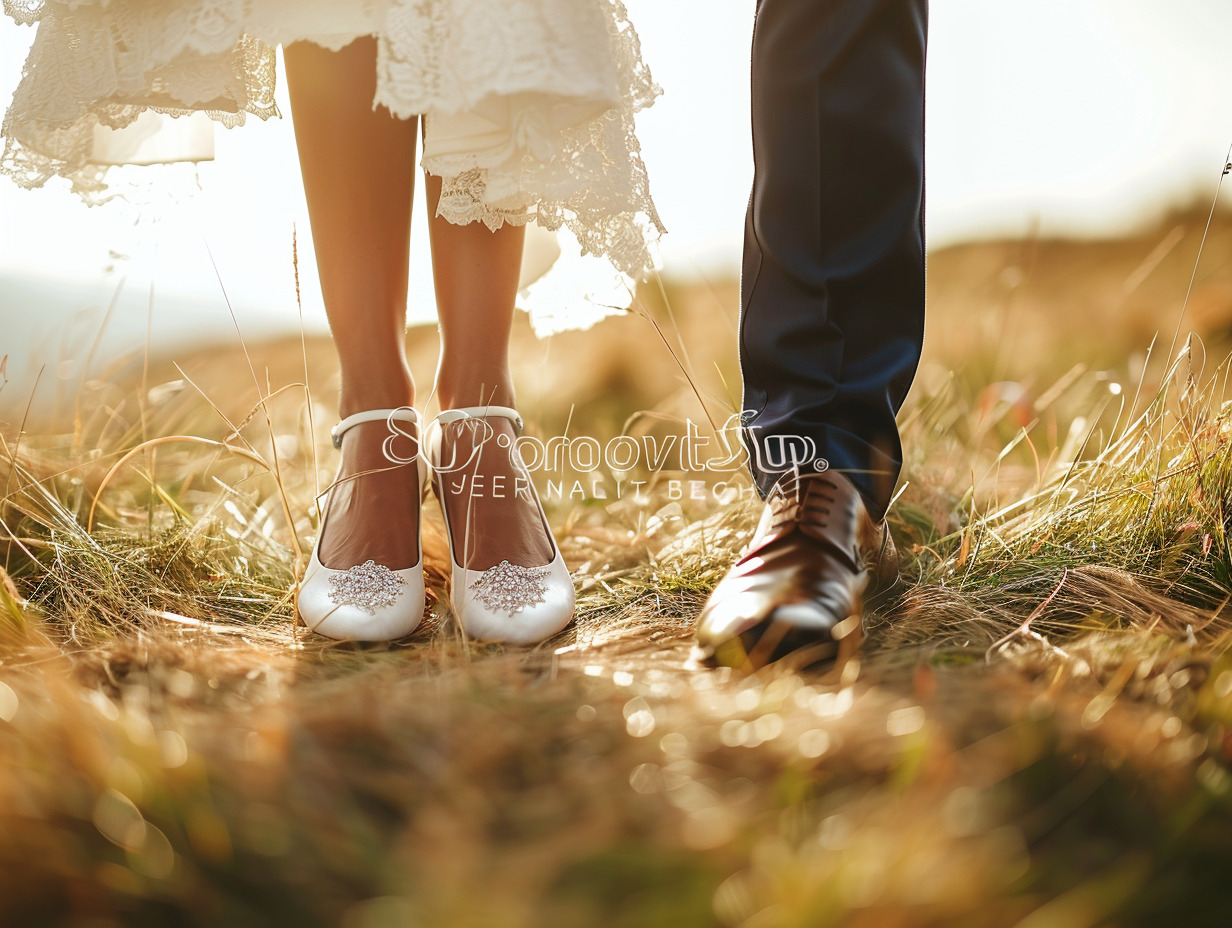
[{"x": 795, "y": 500}]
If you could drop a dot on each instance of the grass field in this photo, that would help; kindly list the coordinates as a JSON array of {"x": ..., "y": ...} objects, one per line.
[{"x": 1038, "y": 731}]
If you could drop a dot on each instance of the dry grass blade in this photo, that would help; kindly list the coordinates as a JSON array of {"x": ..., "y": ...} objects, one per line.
[{"x": 1043, "y": 707}]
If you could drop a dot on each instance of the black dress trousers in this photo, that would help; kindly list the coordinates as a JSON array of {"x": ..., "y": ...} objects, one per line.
[{"x": 832, "y": 321}]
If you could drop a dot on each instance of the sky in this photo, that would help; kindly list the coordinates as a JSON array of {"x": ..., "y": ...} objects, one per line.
[{"x": 1071, "y": 117}]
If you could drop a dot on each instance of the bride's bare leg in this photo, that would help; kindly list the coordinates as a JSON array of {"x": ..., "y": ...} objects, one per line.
[
  {"x": 358, "y": 170},
  {"x": 476, "y": 272}
]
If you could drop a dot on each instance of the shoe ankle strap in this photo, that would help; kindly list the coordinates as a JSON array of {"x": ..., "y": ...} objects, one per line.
[
  {"x": 480, "y": 412},
  {"x": 436, "y": 428},
  {"x": 402, "y": 414}
]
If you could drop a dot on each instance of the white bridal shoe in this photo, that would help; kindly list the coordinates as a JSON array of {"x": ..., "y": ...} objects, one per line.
[
  {"x": 367, "y": 602},
  {"x": 507, "y": 602}
]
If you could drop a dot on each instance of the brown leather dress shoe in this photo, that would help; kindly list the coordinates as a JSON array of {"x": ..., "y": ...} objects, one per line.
[{"x": 799, "y": 588}]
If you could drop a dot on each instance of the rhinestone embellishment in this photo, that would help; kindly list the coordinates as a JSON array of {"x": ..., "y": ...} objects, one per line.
[
  {"x": 511, "y": 588},
  {"x": 368, "y": 586}
]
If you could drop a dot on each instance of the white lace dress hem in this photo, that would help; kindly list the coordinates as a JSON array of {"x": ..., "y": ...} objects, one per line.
[{"x": 529, "y": 106}]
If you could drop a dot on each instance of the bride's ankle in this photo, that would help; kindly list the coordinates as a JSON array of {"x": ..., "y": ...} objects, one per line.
[
  {"x": 381, "y": 444},
  {"x": 397, "y": 393},
  {"x": 458, "y": 393}
]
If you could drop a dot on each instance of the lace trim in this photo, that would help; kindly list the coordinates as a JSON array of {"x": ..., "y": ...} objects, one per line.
[
  {"x": 594, "y": 182},
  {"x": 24, "y": 12}
]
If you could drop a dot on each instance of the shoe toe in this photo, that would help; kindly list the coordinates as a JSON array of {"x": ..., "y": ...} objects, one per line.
[
  {"x": 345, "y": 623},
  {"x": 323, "y": 614},
  {"x": 808, "y": 616},
  {"x": 752, "y": 617},
  {"x": 729, "y": 614},
  {"x": 548, "y": 609}
]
